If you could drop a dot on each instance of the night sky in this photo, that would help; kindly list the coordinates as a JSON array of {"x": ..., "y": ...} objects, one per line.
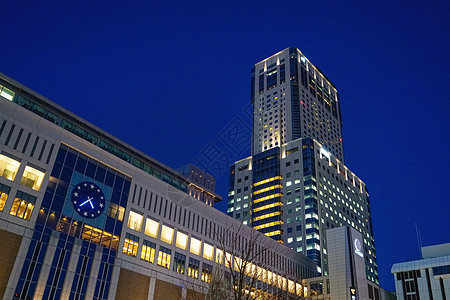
[{"x": 173, "y": 80}]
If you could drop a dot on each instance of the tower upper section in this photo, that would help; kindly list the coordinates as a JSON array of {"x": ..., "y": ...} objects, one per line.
[{"x": 293, "y": 99}]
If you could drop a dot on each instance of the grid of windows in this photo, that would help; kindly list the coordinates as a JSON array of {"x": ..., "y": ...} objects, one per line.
[
  {"x": 164, "y": 256},
  {"x": 179, "y": 263},
  {"x": 130, "y": 245},
  {"x": 148, "y": 251},
  {"x": 194, "y": 267},
  {"x": 206, "y": 272},
  {"x": 23, "y": 205}
]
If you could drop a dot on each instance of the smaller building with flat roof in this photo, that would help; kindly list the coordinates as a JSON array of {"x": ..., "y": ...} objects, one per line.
[{"x": 426, "y": 278}]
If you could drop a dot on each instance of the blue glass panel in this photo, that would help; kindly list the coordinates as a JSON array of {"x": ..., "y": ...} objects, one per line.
[
  {"x": 115, "y": 198},
  {"x": 81, "y": 165},
  {"x": 66, "y": 174},
  {"x": 70, "y": 160},
  {"x": 47, "y": 200},
  {"x": 118, "y": 183},
  {"x": 109, "y": 180},
  {"x": 56, "y": 170},
  {"x": 100, "y": 175},
  {"x": 126, "y": 187},
  {"x": 90, "y": 170},
  {"x": 61, "y": 155}
]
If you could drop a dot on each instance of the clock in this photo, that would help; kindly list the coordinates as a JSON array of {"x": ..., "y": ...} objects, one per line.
[{"x": 88, "y": 200}]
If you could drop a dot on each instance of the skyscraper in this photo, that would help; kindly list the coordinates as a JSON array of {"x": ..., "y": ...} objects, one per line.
[
  {"x": 295, "y": 185},
  {"x": 291, "y": 99}
]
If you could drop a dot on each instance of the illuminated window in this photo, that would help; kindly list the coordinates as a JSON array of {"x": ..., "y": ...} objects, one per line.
[
  {"x": 194, "y": 266},
  {"x": 148, "y": 251},
  {"x": 179, "y": 263},
  {"x": 6, "y": 93},
  {"x": 130, "y": 245},
  {"x": 151, "y": 228},
  {"x": 32, "y": 178},
  {"x": 181, "y": 240},
  {"x": 206, "y": 273},
  {"x": 208, "y": 251},
  {"x": 92, "y": 234},
  {"x": 195, "y": 246},
  {"x": 219, "y": 256},
  {"x": 8, "y": 167},
  {"x": 167, "y": 234},
  {"x": 4, "y": 192},
  {"x": 116, "y": 211},
  {"x": 228, "y": 259},
  {"x": 108, "y": 239},
  {"x": 135, "y": 221},
  {"x": 23, "y": 205},
  {"x": 164, "y": 257}
]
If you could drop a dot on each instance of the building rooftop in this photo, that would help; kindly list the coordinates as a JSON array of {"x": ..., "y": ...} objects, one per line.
[{"x": 69, "y": 121}]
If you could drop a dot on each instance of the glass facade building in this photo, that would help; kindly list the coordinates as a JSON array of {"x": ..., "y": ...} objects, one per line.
[{"x": 295, "y": 185}]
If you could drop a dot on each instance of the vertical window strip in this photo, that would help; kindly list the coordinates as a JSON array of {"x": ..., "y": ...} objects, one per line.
[
  {"x": 10, "y": 134},
  {"x": 26, "y": 143},
  {"x": 42, "y": 149},
  {"x": 18, "y": 139},
  {"x": 50, "y": 153}
]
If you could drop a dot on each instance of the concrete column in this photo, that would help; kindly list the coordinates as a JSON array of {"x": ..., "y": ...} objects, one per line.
[
  {"x": 71, "y": 268},
  {"x": 94, "y": 273},
  {"x": 45, "y": 270},
  {"x": 151, "y": 288}
]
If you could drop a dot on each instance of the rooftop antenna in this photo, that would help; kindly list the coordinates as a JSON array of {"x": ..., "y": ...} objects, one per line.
[{"x": 419, "y": 240}]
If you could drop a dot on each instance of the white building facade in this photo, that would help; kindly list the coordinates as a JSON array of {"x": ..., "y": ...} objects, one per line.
[{"x": 427, "y": 278}]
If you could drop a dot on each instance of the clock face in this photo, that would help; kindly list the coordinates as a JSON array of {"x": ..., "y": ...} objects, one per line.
[{"x": 88, "y": 200}]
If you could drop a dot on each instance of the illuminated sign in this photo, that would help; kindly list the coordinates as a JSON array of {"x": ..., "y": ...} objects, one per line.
[
  {"x": 324, "y": 152},
  {"x": 358, "y": 248},
  {"x": 353, "y": 293}
]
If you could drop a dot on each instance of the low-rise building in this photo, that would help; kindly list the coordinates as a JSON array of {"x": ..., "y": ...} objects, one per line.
[{"x": 427, "y": 278}]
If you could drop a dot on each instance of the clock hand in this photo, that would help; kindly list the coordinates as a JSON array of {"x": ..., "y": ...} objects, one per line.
[
  {"x": 85, "y": 202},
  {"x": 90, "y": 202}
]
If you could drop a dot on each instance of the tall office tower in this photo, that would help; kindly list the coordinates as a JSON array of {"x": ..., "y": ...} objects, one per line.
[
  {"x": 292, "y": 98},
  {"x": 295, "y": 185}
]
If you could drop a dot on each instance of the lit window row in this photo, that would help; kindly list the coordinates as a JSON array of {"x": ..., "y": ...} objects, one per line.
[
  {"x": 268, "y": 206},
  {"x": 31, "y": 177},
  {"x": 267, "y": 197},
  {"x": 22, "y": 205},
  {"x": 267, "y": 216},
  {"x": 196, "y": 246},
  {"x": 167, "y": 235},
  {"x": 267, "y": 180},
  {"x": 268, "y": 225},
  {"x": 278, "y": 186},
  {"x": 272, "y": 233}
]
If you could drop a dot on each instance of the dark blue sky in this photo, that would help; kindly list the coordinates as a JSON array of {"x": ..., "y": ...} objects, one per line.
[{"x": 169, "y": 78}]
